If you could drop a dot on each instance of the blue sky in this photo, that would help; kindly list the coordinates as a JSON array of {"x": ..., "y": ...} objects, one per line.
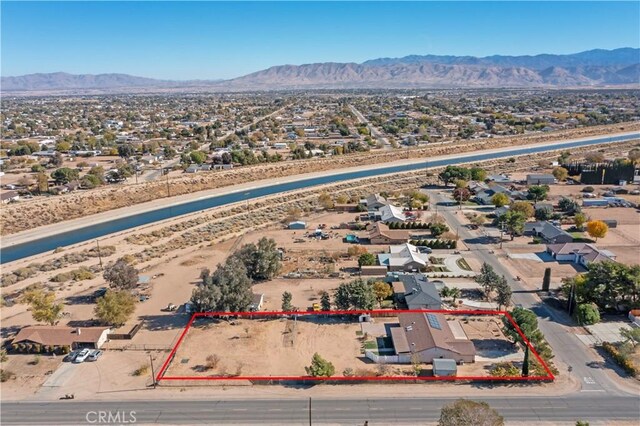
[{"x": 223, "y": 40}]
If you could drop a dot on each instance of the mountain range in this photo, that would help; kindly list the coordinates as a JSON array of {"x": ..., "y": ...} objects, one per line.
[{"x": 593, "y": 68}]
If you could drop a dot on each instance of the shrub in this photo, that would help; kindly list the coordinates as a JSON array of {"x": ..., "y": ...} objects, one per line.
[
  {"x": 212, "y": 362},
  {"x": 348, "y": 372},
  {"x": 587, "y": 314},
  {"x": 6, "y": 375},
  {"x": 144, "y": 369},
  {"x": 622, "y": 360},
  {"x": 505, "y": 369},
  {"x": 588, "y": 189}
]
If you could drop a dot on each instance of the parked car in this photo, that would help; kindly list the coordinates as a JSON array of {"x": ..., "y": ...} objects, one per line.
[
  {"x": 71, "y": 356},
  {"x": 82, "y": 356},
  {"x": 94, "y": 355}
]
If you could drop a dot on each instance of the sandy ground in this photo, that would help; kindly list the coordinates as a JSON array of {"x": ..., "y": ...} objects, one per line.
[
  {"x": 267, "y": 347},
  {"x": 284, "y": 347}
]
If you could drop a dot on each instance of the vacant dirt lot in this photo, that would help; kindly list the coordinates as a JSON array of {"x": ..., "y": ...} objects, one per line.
[{"x": 270, "y": 347}]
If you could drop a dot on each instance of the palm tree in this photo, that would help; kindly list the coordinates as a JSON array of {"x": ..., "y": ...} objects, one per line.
[
  {"x": 445, "y": 292},
  {"x": 455, "y": 293}
]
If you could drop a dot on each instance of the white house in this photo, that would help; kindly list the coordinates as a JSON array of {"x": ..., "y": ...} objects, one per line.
[
  {"x": 580, "y": 253},
  {"x": 404, "y": 257}
]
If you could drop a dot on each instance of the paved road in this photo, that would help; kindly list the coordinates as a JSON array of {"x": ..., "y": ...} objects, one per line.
[
  {"x": 323, "y": 411},
  {"x": 373, "y": 129},
  {"x": 566, "y": 346}
]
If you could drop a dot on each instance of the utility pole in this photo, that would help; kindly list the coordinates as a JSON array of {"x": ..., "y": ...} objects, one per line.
[
  {"x": 309, "y": 411},
  {"x": 153, "y": 372},
  {"x": 501, "y": 233},
  {"x": 571, "y": 296},
  {"x": 99, "y": 254},
  {"x": 168, "y": 192}
]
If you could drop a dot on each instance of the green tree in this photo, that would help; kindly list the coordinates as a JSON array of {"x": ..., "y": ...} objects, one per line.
[
  {"x": 198, "y": 157},
  {"x": 286, "y": 302},
  {"x": 527, "y": 321},
  {"x": 478, "y": 174},
  {"x": 504, "y": 292},
  {"x": 546, "y": 280},
  {"x": 126, "y": 150},
  {"x": 121, "y": 275},
  {"x": 452, "y": 173},
  {"x": 608, "y": 284},
  {"x": 320, "y": 367},
  {"x": 262, "y": 261},
  {"x": 381, "y": 290},
  {"x": 90, "y": 181},
  {"x": 543, "y": 213},
  {"x": 579, "y": 220},
  {"x": 587, "y": 314},
  {"x": 366, "y": 259},
  {"x": 487, "y": 278},
  {"x": 514, "y": 222},
  {"x": 65, "y": 175},
  {"x": 525, "y": 362},
  {"x": 356, "y": 294},
  {"x": 228, "y": 289},
  {"x": 537, "y": 193},
  {"x": 460, "y": 183},
  {"x": 43, "y": 306},
  {"x": 466, "y": 412},
  {"x": 500, "y": 199},
  {"x": 325, "y": 301},
  {"x": 115, "y": 307},
  {"x": 438, "y": 229},
  {"x": 568, "y": 206}
]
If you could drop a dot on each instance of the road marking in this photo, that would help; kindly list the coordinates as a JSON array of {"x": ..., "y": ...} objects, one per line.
[
  {"x": 592, "y": 390},
  {"x": 589, "y": 380}
]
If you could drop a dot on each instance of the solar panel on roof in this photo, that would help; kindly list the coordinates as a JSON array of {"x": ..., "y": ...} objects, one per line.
[{"x": 433, "y": 321}]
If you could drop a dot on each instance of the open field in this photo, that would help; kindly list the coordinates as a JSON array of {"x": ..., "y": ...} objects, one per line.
[{"x": 253, "y": 346}]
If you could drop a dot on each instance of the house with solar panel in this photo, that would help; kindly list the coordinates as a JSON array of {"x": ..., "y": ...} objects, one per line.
[{"x": 429, "y": 336}]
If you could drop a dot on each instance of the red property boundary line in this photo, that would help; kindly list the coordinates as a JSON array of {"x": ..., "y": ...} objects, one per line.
[{"x": 549, "y": 377}]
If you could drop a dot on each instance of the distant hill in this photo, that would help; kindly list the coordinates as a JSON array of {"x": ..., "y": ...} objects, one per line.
[
  {"x": 593, "y": 68},
  {"x": 61, "y": 81},
  {"x": 430, "y": 75},
  {"x": 598, "y": 57}
]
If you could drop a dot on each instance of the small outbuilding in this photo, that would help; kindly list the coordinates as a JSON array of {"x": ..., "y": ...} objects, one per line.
[
  {"x": 540, "y": 179},
  {"x": 298, "y": 224},
  {"x": 444, "y": 367}
]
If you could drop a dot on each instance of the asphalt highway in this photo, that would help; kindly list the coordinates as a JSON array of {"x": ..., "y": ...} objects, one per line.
[{"x": 343, "y": 411}]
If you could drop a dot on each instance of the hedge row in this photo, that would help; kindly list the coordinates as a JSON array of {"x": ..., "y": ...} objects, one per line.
[
  {"x": 408, "y": 225},
  {"x": 435, "y": 244},
  {"x": 35, "y": 348},
  {"x": 623, "y": 361}
]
